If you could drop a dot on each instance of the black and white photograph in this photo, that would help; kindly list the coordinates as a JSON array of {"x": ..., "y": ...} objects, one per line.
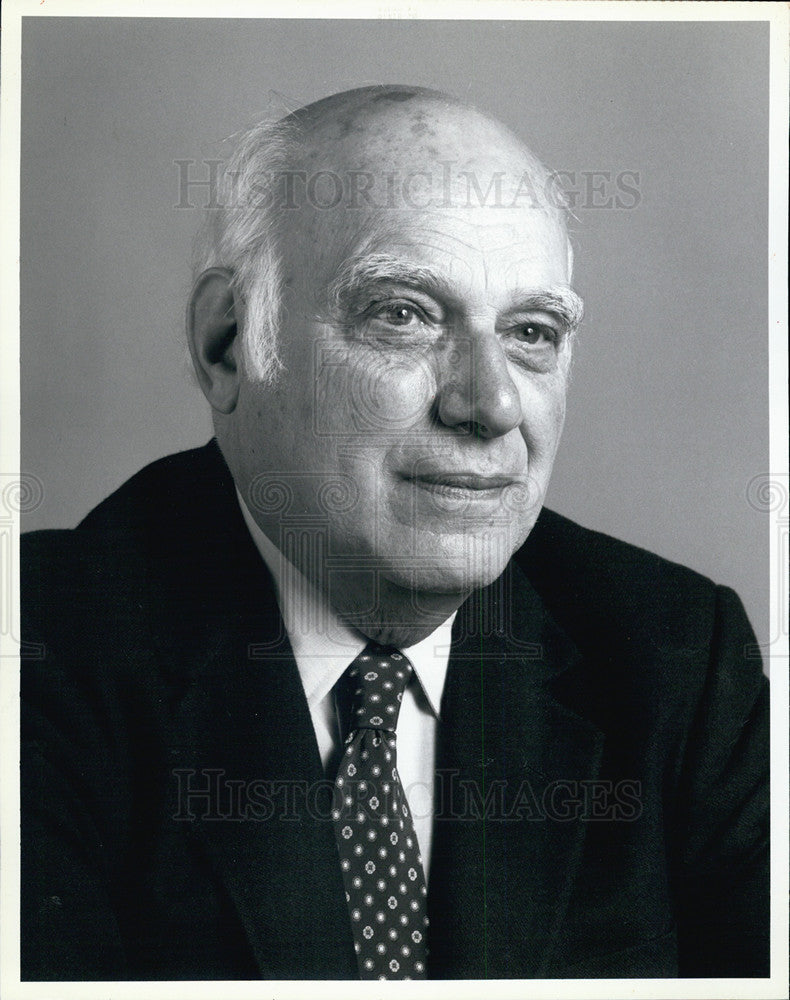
[{"x": 395, "y": 506}]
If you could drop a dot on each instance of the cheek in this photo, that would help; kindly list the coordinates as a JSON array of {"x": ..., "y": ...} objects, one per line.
[
  {"x": 376, "y": 393},
  {"x": 275, "y": 431},
  {"x": 543, "y": 407}
]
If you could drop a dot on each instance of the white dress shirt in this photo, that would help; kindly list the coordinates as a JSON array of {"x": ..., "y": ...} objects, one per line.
[{"x": 323, "y": 647}]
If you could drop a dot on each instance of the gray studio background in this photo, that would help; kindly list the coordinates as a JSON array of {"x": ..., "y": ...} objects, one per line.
[{"x": 668, "y": 411}]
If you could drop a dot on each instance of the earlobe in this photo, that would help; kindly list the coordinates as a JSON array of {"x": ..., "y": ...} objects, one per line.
[{"x": 212, "y": 333}]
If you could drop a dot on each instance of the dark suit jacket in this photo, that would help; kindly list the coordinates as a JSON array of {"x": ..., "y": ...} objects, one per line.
[{"x": 602, "y": 762}]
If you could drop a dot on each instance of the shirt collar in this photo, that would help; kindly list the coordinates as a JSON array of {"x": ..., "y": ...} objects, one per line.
[{"x": 323, "y": 646}]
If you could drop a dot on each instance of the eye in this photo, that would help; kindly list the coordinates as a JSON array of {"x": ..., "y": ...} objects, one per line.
[
  {"x": 536, "y": 333},
  {"x": 398, "y": 314}
]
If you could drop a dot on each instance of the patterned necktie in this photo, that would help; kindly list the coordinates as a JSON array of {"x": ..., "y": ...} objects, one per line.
[{"x": 379, "y": 854}]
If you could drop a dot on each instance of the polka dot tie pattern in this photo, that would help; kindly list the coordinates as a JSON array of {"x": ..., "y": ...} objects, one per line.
[{"x": 379, "y": 854}]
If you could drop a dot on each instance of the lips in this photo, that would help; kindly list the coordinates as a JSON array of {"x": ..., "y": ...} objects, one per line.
[{"x": 473, "y": 481}]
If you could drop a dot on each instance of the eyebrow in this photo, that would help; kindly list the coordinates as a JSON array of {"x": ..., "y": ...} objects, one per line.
[{"x": 356, "y": 274}]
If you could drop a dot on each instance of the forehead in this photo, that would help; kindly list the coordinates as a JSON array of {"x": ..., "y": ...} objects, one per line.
[
  {"x": 492, "y": 249},
  {"x": 422, "y": 176}
]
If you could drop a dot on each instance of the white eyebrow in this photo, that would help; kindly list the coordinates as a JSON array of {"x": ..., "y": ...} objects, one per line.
[
  {"x": 358, "y": 273},
  {"x": 559, "y": 299}
]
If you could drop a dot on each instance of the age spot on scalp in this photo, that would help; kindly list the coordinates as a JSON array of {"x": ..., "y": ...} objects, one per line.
[{"x": 394, "y": 96}]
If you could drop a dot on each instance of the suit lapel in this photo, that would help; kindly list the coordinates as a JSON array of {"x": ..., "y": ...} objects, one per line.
[
  {"x": 511, "y": 759},
  {"x": 242, "y": 728},
  {"x": 270, "y": 840}
]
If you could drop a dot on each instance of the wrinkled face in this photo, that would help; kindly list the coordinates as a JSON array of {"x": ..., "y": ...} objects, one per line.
[{"x": 426, "y": 360}]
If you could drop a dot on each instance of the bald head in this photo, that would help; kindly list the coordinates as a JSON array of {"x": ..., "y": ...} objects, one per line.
[
  {"x": 380, "y": 118},
  {"x": 412, "y": 137}
]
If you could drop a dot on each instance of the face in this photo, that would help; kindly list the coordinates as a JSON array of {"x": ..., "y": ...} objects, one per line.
[{"x": 426, "y": 360}]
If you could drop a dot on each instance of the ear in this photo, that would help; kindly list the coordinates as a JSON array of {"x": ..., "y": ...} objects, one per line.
[{"x": 213, "y": 342}]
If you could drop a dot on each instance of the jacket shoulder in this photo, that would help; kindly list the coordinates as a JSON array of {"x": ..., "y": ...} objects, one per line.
[
  {"x": 160, "y": 491},
  {"x": 597, "y": 587},
  {"x": 656, "y": 638},
  {"x": 104, "y": 563}
]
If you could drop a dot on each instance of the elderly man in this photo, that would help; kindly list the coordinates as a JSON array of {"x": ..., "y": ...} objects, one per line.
[{"x": 333, "y": 697}]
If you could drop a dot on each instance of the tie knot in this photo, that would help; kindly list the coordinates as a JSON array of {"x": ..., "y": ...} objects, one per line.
[{"x": 375, "y": 683}]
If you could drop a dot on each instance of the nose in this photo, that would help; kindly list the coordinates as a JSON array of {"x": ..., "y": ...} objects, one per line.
[{"x": 476, "y": 393}]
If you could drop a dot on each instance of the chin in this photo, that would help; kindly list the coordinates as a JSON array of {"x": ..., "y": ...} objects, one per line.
[{"x": 466, "y": 564}]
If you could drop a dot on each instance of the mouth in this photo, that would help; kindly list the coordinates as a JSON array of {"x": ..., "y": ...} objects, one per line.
[{"x": 460, "y": 483}]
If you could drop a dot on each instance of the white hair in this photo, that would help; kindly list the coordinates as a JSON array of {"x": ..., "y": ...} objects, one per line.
[{"x": 241, "y": 234}]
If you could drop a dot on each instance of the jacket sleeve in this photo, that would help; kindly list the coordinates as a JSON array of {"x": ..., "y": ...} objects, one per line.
[
  {"x": 723, "y": 859},
  {"x": 69, "y": 779}
]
